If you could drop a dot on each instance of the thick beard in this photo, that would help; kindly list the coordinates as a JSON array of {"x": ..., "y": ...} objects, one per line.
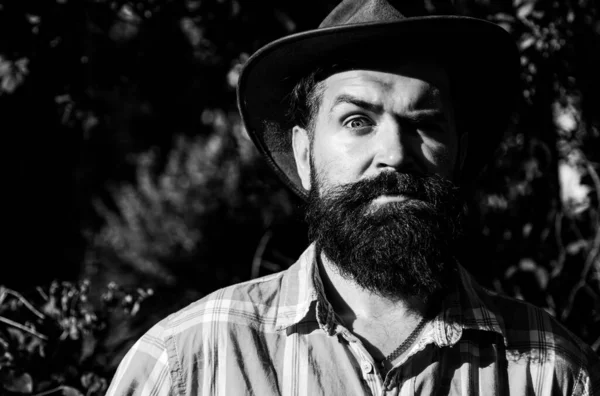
[{"x": 399, "y": 250}]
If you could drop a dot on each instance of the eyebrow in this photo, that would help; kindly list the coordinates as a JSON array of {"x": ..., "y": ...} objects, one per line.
[
  {"x": 345, "y": 98},
  {"x": 425, "y": 116},
  {"x": 416, "y": 116}
]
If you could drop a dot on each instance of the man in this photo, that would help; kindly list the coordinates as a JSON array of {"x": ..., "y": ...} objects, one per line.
[{"x": 380, "y": 119}]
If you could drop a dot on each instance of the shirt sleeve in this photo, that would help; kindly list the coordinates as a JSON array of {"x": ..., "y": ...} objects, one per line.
[{"x": 145, "y": 368}]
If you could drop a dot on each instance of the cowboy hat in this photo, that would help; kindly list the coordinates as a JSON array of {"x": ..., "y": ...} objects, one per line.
[{"x": 480, "y": 57}]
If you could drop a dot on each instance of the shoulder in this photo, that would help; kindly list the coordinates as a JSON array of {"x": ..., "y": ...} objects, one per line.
[
  {"x": 529, "y": 328},
  {"x": 253, "y": 303},
  {"x": 259, "y": 304},
  {"x": 534, "y": 337},
  {"x": 145, "y": 369},
  {"x": 194, "y": 334}
]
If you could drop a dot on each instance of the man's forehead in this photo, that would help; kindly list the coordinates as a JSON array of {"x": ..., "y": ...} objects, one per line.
[{"x": 425, "y": 83}]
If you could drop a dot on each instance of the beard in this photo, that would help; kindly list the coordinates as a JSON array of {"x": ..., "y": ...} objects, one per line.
[{"x": 396, "y": 250}]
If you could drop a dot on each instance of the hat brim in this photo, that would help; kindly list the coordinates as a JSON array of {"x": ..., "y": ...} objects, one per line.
[{"x": 480, "y": 58}]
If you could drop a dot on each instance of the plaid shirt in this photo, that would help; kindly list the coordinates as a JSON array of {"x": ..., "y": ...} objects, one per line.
[{"x": 279, "y": 335}]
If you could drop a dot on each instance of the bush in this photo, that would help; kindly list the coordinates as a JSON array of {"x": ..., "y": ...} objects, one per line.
[{"x": 52, "y": 342}]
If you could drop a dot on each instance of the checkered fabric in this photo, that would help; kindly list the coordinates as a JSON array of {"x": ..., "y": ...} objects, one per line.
[{"x": 278, "y": 335}]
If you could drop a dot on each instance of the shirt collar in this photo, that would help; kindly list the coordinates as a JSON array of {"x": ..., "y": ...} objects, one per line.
[
  {"x": 303, "y": 296},
  {"x": 465, "y": 308},
  {"x": 298, "y": 292}
]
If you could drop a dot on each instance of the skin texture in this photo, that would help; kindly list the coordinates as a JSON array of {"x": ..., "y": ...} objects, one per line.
[{"x": 372, "y": 121}]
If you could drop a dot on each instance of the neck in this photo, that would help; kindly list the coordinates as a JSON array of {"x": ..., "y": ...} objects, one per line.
[
  {"x": 352, "y": 302},
  {"x": 382, "y": 323}
]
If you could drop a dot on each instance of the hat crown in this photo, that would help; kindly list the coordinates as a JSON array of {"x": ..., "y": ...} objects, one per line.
[{"x": 350, "y": 12}]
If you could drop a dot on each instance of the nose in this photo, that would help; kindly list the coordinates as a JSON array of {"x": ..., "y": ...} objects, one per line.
[{"x": 392, "y": 147}]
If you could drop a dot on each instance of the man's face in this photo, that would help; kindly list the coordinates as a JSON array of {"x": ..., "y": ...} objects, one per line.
[
  {"x": 379, "y": 165},
  {"x": 375, "y": 121}
]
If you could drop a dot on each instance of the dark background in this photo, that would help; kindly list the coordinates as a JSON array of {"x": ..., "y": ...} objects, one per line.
[{"x": 124, "y": 159}]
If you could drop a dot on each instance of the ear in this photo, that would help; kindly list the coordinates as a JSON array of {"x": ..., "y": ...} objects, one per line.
[
  {"x": 464, "y": 148},
  {"x": 301, "y": 146}
]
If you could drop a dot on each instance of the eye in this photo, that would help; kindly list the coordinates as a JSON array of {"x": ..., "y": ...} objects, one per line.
[{"x": 358, "y": 122}]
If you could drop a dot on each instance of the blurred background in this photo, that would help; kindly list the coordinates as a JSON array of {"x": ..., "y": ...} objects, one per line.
[{"x": 132, "y": 188}]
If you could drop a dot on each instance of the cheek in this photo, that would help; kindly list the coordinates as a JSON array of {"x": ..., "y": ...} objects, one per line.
[{"x": 337, "y": 163}]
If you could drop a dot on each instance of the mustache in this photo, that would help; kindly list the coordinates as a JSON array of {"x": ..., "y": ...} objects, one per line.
[{"x": 422, "y": 187}]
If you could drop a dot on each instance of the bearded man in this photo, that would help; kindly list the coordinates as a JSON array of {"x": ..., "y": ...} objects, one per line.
[{"x": 380, "y": 119}]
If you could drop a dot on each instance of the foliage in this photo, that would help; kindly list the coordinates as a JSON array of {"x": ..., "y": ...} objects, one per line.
[
  {"x": 88, "y": 86},
  {"x": 538, "y": 209},
  {"x": 208, "y": 194},
  {"x": 50, "y": 342}
]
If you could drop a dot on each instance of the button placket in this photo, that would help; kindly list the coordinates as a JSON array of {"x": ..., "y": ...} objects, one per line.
[{"x": 366, "y": 364}]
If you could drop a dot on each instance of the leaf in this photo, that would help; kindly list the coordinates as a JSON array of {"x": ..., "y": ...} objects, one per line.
[
  {"x": 525, "y": 10},
  {"x": 574, "y": 194},
  {"x": 504, "y": 17},
  {"x": 577, "y": 247},
  {"x": 69, "y": 391},
  {"x": 88, "y": 346},
  {"x": 12, "y": 74},
  {"x": 540, "y": 273},
  {"x": 35, "y": 346},
  {"x": 94, "y": 384},
  {"x": 526, "y": 42},
  {"x": 18, "y": 383},
  {"x": 16, "y": 336}
]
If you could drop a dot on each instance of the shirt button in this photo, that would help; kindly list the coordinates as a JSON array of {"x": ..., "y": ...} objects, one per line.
[{"x": 366, "y": 367}]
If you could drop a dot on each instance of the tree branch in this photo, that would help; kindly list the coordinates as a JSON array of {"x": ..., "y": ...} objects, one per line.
[
  {"x": 54, "y": 390},
  {"x": 26, "y": 303},
  {"x": 21, "y": 327}
]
